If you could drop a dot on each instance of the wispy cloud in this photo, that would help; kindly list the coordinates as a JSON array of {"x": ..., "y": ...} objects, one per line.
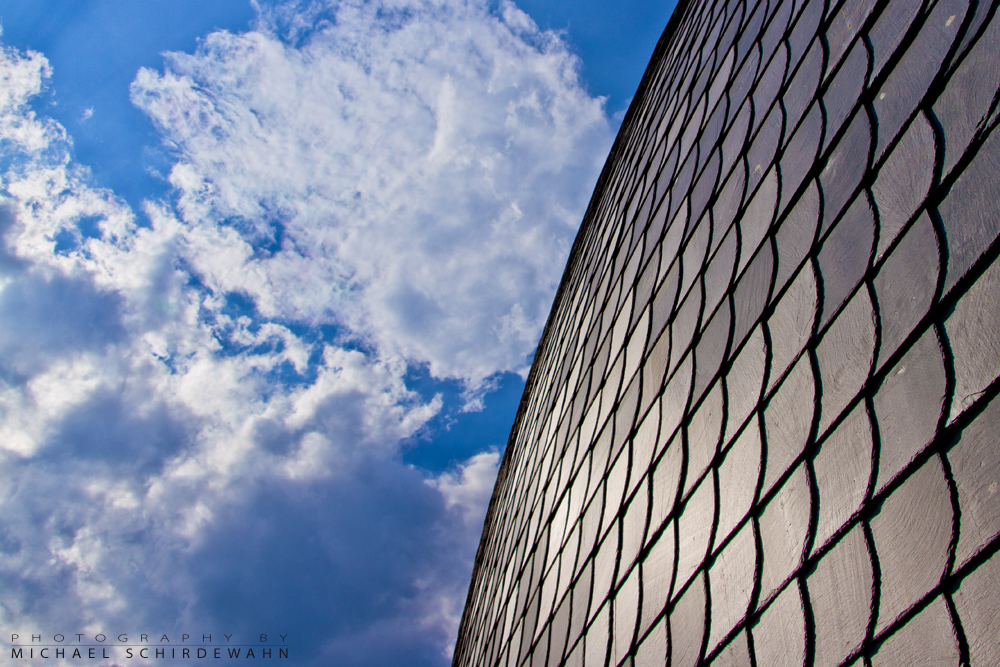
[{"x": 202, "y": 413}]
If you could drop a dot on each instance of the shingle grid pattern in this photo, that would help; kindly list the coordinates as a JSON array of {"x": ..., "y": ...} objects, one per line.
[{"x": 761, "y": 427}]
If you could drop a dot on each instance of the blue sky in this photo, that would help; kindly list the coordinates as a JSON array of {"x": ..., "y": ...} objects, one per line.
[{"x": 272, "y": 275}]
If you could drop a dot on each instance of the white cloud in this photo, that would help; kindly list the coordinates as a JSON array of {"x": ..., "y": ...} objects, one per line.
[
  {"x": 412, "y": 173},
  {"x": 21, "y": 78},
  {"x": 469, "y": 488},
  {"x": 428, "y": 163}
]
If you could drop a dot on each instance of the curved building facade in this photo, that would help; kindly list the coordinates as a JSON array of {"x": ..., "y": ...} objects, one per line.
[{"x": 762, "y": 425}]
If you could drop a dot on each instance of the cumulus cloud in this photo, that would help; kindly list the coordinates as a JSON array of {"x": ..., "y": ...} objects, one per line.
[
  {"x": 386, "y": 173},
  {"x": 201, "y": 412}
]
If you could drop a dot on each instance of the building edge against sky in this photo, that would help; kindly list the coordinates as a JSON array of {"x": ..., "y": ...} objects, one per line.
[{"x": 761, "y": 425}]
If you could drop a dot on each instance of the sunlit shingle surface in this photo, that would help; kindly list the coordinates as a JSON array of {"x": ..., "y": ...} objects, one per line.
[{"x": 762, "y": 425}]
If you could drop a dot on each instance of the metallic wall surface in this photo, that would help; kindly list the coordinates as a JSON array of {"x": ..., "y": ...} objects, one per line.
[{"x": 762, "y": 425}]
